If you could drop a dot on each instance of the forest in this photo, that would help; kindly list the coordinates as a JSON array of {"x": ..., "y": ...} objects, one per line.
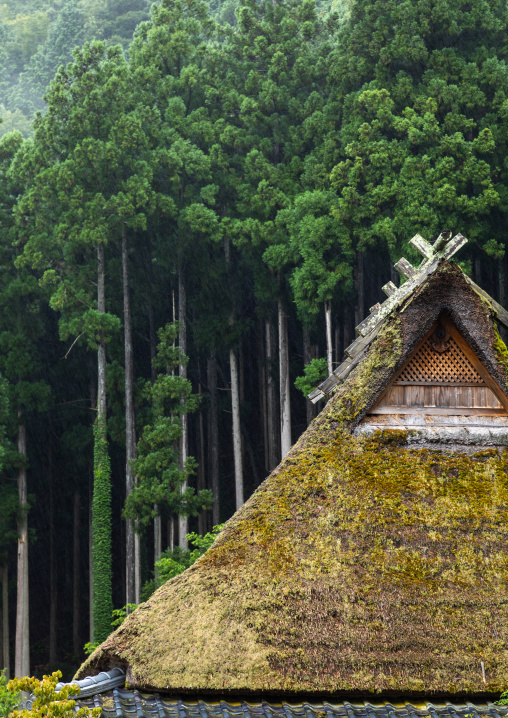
[{"x": 198, "y": 204}]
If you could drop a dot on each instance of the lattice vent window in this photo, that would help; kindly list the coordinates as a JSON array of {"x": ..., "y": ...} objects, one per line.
[{"x": 451, "y": 366}]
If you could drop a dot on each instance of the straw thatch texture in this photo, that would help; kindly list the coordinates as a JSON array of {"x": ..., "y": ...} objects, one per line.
[{"x": 358, "y": 566}]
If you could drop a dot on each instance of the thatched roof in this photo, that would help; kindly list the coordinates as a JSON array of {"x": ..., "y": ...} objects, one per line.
[{"x": 359, "y": 566}]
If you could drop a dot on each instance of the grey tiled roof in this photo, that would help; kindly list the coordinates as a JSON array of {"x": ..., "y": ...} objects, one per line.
[
  {"x": 121, "y": 703},
  {"x": 105, "y": 691}
]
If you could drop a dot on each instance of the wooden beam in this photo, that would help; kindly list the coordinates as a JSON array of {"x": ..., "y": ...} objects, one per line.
[
  {"x": 405, "y": 268},
  {"x": 442, "y": 240},
  {"x": 389, "y": 288},
  {"x": 316, "y": 395},
  {"x": 398, "y": 410},
  {"x": 422, "y": 246},
  {"x": 453, "y": 246}
]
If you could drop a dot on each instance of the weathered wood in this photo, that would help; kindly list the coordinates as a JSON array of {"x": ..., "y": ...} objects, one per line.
[
  {"x": 375, "y": 307},
  {"x": 453, "y": 246},
  {"x": 405, "y": 268},
  {"x": 436, "y": 410},
  {"x": 343, "y": 369},
  {"x": 440, "y": 396},
  {"x": 375, "y": 320},
  {"x": 401, "y": 420},
  {"x": 422, "y": 246},
  {"x": 433, "y": 383},
  {"x": 357, "y": 347},
  {"x": 316, "y": 395},
  {"x": 442, "y": 240},
  {"x": 389, "y": 288},
  {"x": 482, "y": 371},
  {"x": 329, "y": 383},
  {"x": 361, "y": 328}
]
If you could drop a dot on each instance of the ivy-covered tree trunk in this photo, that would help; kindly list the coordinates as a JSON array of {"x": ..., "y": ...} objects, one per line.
[
  {"x": 5, "y": 620},
  {"x": 132, "y": 588},
  {"x": 101, "y": 503},
  {"x": 22, "y": 649}
]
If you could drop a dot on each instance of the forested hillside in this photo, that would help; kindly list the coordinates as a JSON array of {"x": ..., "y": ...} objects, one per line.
[{"x": 197, "y": 219}]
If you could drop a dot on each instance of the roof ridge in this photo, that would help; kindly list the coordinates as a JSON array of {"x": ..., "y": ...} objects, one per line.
[{"x": 443, "y": 248}]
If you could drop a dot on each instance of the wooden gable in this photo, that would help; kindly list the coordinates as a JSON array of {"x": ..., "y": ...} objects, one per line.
[{"x": 442, "y": 376}]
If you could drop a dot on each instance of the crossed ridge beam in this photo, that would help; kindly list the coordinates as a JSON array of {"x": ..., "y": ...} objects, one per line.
[{"x": 443, "y": 248}]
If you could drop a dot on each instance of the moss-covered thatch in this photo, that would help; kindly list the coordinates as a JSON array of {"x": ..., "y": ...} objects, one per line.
[{"x": 358, "y": 566}]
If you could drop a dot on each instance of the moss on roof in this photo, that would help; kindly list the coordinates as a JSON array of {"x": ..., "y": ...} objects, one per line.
[{"x": 358, "y": 567}]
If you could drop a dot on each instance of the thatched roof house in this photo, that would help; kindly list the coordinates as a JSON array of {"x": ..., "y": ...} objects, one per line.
[{"x": 374, "y": 559}]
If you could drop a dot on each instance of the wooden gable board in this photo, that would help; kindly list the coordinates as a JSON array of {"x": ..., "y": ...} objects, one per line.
[{"x": 453, "y": 381}]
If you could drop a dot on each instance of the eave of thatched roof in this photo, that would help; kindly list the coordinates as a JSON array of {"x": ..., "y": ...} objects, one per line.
[{"x": 358, "y": 567}]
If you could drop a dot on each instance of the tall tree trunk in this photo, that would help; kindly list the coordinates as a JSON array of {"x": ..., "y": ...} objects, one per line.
[
  {"x": 307, "y": 357},
  {"x": 157, "y": 524},
  {"x": 213, "y": 436},
  {"x": 241, "y": 374},
  {"x": 171, "y": 533},
  {"x": 132, "y": 587},
  {"x": 478, "y": 271},
  {"x": 360, "y": 288},
  {"x": 101, "y": 504},
  {"x": 502, "y": 294},
  {"x": 271, "y": 401},
  {"x": 5, "y": 620},
  {"x": 501, "y": 278},
  {"x": 237, "y": 437},
  {"x": 53, "y": 600},
  {"x": 76, "y": 574},
  {"x": 90, "y": 566},
  {"x": 22, "y": 655},
  {"x": 347, "y": 330},
  {"x": 285, "y": 404},
  {"x": 329, "y": 345},
  {"x": 202, "y": 523},
  {"x": 183, "y": 521},
  {"x": 262, "y": 392},
  {"x": 157, "y": 536}
]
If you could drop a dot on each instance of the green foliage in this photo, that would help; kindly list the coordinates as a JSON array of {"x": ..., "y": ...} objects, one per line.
[
  {"x": 315, "y": 372},
  {"x": 176, "y": 561},
  {"x": 101, "y": 534},
  {"x": 157, "y": 468},
  {"x": 9, "y": 698},
  {"x": 48, "y": 702},
  {"x": 502, "y": 700},
  {"x": 120, "y": 614}
]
